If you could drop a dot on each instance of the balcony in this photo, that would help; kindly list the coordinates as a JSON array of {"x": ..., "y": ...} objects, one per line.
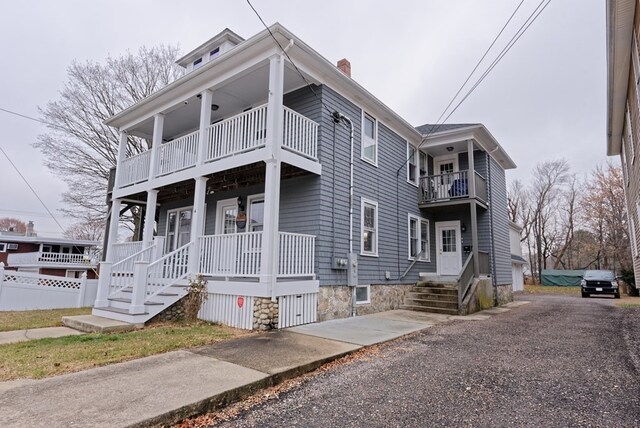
[
  {"x": 451, "y": 188},
  {"x": 234, "y": 136},
  {"x": 50, "y": 259}
]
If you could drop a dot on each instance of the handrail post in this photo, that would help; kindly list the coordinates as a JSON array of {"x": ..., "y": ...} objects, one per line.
[
  {"x": 139, "y": 287},
  {"x": 103, "y": 285},
  {"x": 83, "y": 290}
]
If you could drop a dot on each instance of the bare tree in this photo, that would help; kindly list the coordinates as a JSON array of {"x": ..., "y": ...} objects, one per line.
[
  {"x": 568, "y": 216},
  {"x": 78, "y": 146},
  {"x": 89, "y": 230},
  {"x": 10, "y": 224}
]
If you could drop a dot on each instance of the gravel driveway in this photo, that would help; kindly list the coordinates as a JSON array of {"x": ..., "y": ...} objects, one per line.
[{"x": 557, "y": 362}]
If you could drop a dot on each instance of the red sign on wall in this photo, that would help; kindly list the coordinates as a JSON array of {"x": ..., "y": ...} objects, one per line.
[{"x": 240, "y": 302}]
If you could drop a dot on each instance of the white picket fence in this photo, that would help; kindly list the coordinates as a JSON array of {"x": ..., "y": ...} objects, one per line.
[{"x": 23, "y": 291}]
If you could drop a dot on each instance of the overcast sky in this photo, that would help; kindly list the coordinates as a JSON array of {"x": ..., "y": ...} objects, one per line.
[{"x": 546, "y": 99}]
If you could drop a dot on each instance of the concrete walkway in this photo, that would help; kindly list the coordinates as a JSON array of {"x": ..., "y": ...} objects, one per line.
[
  {"x": 169, "y": 387},
  {"x": 36, "y": 333}
]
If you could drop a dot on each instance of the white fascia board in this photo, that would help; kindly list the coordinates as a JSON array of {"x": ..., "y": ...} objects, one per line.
[{"x": 620, "y": 17}]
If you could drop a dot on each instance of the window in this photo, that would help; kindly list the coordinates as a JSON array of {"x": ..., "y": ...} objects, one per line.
[
  {"x": 214, "y": 53},
  {"x": 197, "y": 63},
  {"x": 629, "y": 135},
  {"x": 178, "y": 228},
  {"x": 369, "y": 227},
  {"x": 419, "y": 238},
  {"x": 3, "y": 247},
  {"x": 256, "y": 213},
  {"x": 369, "y": 139},
  {"x": 363, "y": 294},
  {"x": 74, "y": 273},
  {"x": 423, "y": 163},
  {"x": 412, "y": 164},
  {"x": 47, "y": 249}
]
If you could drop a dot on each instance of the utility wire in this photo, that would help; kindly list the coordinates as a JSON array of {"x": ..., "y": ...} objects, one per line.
[{"x": 31, "y": 118}]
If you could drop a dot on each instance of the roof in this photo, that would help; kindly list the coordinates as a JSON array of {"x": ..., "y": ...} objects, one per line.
[
  {"x": 517, "y": 259},
  {"x": 224, "y": 35},
  {"x": 460, "y": 131},
  {"x": 44, "y": 240},
  {"x": 620, "y": 14}
]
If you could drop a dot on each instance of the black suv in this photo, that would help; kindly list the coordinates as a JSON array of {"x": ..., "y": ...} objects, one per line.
[{"x": 599, "y": 282}]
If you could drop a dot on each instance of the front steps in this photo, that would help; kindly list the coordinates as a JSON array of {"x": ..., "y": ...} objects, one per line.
[
  {"x": 119, "y": 305},
  {"x": 435, "y": 296}
]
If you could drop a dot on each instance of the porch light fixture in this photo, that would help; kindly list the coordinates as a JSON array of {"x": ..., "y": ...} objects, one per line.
[
  {"x": 463, "y": 227},
  {"x": 449, "y": 149},
  {"x": 240, "y": 204},
  {"x": 215, "y": 107}
]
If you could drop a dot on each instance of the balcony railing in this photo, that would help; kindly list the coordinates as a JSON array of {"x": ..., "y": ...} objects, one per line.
[
  {"x": 451, "y": 186},
  {"x": 240, "y": 255},
  {"x": 47, "y": 258},
  {"x": 233, "y": 136}
]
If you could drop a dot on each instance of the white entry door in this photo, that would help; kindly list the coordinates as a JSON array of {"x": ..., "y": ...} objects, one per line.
[
  {"x": 449, "y": 252},
  {"x": 226, "y": 252},
  {"x": 445, "y": 169}
]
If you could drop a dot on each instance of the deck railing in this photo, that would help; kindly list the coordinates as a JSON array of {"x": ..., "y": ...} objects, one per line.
[
  {"x": 300, "y": 134},
  {"x": 481, "y": 188},
  {"x": 452, "y": 185},
  {"x": 238, "y": 134},
  {"x": 123, "y": 250},
  {"x": 44, "y": 258},
  {"x": 166, "y": 271},
  {"x": 122, "y": 271},
  {"x": 134, "y": 169},
  {"x": 246, "y": 131},
  {"x": 297, "y": 255},
  {"x": 178, "y": 154}
]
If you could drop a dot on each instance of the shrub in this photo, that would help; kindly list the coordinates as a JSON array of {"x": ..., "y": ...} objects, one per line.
[{"x": 196, "y": 295}]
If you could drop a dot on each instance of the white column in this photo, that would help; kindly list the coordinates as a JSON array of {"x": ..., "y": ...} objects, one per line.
[
  {"x": 471, "y": 179},
  {"x": 270, "y": 237},
  {"x": 139, "y": 287},
  {"x": 83, "y": 290},
  {"x": 114, "y": 224},
  {"x": 205, "y": 120},
  {"x": 471, "y": 184},
  {"x": 102, "y": 296},
  {"x": 149, "y": 218},
  {"x": 197, "y": 223},
  {"x": 158, "y": 126},
  {"x": 122, "y": 153}
]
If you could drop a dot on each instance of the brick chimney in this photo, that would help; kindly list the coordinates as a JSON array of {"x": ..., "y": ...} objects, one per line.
[{"x": 345, "y": 66}]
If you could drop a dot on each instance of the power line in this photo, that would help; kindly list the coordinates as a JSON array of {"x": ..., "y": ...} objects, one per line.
[
  {"x": 24, "y": 116},
  {"x": 31, "y": 188}
]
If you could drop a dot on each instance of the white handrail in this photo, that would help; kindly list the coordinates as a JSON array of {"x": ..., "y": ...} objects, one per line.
[
  {"x": 167, "y": 271},
  {"x": 297, "y": 255},
  {"x": 121, "y": 251},
  {"x": 122, "y": 271},
  {"x": 178, "y": 154},
  {"x": 49, "y": 258},
  {"x": 246, "y": 131},
  {"x": 134, "y": 169},
  {"x": 300, "y": 134},
  {"x": 231, "y": 255}
]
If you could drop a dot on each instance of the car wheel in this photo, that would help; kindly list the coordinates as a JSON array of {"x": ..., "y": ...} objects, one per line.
[
  {"x": 617, "y": 295},
  {"x": 585, "y": 294}
]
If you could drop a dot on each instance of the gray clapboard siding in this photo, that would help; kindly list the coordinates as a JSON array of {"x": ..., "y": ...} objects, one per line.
[{"x": 500, "y": 230}]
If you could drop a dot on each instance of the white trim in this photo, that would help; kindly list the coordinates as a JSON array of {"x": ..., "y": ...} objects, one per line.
[
  {"x": 166, "y": 230},
  {"x": 416, "y": 164},
  {"x": 376, "y": 232},
  {"x": 219, "y": 229},
  {"x": 419, "y": 220},
  {"x": 629, "y": 134},
  {"x": 437, "y": 160},
  {"x": 373, "y": 162},
  {"x": 448, "y": 224},
  {"x": 364, "y": 302},
  {"x": 250, "y": 199}
]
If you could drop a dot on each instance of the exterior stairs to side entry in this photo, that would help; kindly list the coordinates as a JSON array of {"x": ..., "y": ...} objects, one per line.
[
  {"x": 438, "y": 296},
  {"x": 119, "y": 305}
]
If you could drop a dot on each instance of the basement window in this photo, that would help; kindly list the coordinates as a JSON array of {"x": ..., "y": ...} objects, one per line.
[{"x": 363, "y": 294}]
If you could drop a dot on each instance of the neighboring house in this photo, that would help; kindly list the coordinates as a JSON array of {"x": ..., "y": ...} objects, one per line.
[
  {"x": 285, "y": 184},
  {"x": 517, "y": 261},
  {"x": 623, "y": 107},
  {"x": 28, "y": 252}
]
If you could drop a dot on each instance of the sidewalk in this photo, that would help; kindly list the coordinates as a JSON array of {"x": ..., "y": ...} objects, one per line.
[{"x": 169, "y": 387}]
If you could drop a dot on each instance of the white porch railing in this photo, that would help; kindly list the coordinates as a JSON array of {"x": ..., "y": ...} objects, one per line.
[
  {"x": 122, "y": 271},
  {"x": 233, "y": 255},
  {"x": 246, "y": 131},
  {"x": 297, "y": 255},
  {"x": 48, "y": 258},
  {"x": 178, "y": 154},
  {"x": 124, "y": 250},
  {"x": 134, "y": 169},
  {"x": 166, "y": 271},
  {"x": 240, "y": 255},
  {"x": 300, "y": 134}
]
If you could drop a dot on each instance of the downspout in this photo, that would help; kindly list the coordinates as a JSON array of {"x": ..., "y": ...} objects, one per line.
[{"x": 337, "y": 116}]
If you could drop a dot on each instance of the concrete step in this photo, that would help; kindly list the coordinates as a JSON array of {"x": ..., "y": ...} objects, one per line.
[
  {"x": 433, "y": 296},
  {"x": 95, "y": 324},
  {"x": 431, "y": 303},
  {"x": 434, "y": 310},
  {"x": 435, "y": 290},
  {"x": 128, "y": 301}
]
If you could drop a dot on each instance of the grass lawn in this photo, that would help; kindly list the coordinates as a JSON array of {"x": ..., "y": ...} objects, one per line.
[
  {"x": 23, "y": 320},
  {"x": 547, "y": 289},
  {"x": 49, "y": 357}
]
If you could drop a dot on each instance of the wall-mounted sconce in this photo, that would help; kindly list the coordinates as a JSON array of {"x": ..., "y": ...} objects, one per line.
[
  {"x": 463, "y": 227},
  {"x": 449, "y": 149},
  {"x": 240, "y": 204},
  {"x": 215, "y": 107}
]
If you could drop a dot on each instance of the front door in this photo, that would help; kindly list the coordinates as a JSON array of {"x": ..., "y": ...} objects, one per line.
[
  {"x": 226, "y": 249},
  {"x": 449, "y": 255},
  {"x": 445, "y": 169}
]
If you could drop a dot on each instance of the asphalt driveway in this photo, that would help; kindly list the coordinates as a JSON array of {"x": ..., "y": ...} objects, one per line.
[{"x": 557, "y": 362}]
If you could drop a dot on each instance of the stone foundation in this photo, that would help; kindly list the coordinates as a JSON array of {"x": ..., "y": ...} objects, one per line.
[
  {"x": 174, "y": 312},
  {"x": 265, "y": 314},
  {"x": 334, "y": 301},
  {"x": 505, "y": 294}
]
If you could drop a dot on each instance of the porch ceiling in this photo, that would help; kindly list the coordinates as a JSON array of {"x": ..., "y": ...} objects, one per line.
[{"x": 248, "y": 90}]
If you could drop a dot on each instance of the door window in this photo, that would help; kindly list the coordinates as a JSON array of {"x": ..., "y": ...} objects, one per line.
[
  {"x": 178, "y": 228},
  {"x": 256, "y": 215}
]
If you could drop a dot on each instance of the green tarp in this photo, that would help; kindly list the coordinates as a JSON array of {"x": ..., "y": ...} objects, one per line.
[{"x": 561, "y": 277}]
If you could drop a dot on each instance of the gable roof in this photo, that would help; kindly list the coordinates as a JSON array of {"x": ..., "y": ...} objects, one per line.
[{"x": 427, "y": 129}]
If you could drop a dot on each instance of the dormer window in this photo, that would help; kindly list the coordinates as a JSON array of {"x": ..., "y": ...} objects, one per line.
[
  {"x": 214, "y": 53},
  {"x": 197, "y": 63}
]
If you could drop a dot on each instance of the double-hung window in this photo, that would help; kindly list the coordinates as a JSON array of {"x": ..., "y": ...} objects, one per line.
[
  {"x": 369, "y": 139},
  {"x": 418, "y": 238},
  {"x": 369, "y": 227},
  {"x": 412, "y": 164}
]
